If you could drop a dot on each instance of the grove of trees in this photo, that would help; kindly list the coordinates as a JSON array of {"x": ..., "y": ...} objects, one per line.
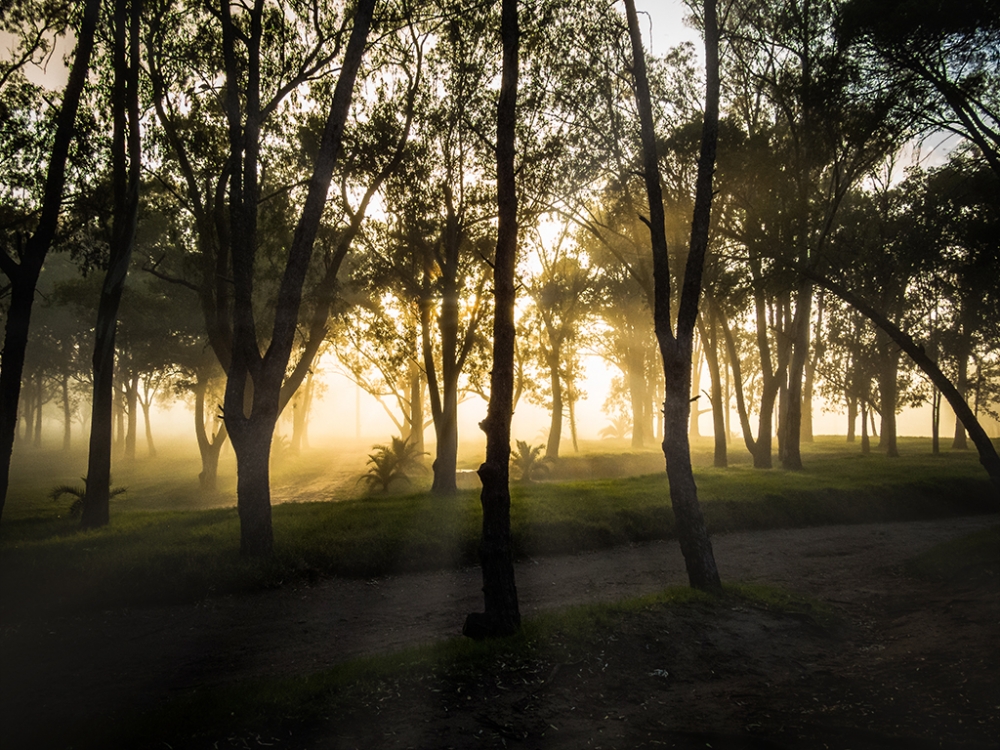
[{"x": 463, "y": 199}]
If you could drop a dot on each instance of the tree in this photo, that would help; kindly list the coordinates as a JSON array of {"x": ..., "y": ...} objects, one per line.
[
  {"x": 502, "y": 615},
  {"x": 676, "y": 346},
  {"x": 31, "y": 246},
  {"x": 126, "y": 158}
]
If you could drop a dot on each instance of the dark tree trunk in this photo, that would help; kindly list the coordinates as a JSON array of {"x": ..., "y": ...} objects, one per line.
[
  {"x": 23, "y": 276},
  {"x": 852, "y": 418},
  {"x": 254, "y": 393},
  {"x": 126, "y": 164},
  {"x": 39, "y": 401},
  {"x": 676, "y": 350},
  {"x": 889, "y": 392},
  {"x": 501, "y": 616},
  {"x": 209, "y": 447},
  {"x": 866, "y": 446},
  {"x": 638, "y": 395},
  {"x": 801, "y": 325},
  {"x": 936, "y": 422},
  {"x": 960, "y": 443}
]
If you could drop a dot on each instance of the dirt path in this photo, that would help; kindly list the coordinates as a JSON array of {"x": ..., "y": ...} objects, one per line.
[{"x": 59, "y": 671}]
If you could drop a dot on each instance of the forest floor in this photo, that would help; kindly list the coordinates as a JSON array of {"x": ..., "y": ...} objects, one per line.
[{"x": 902, "y": 661}]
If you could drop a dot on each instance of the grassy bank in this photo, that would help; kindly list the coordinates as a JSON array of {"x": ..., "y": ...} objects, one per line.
[{"x": 150, "y": 555}]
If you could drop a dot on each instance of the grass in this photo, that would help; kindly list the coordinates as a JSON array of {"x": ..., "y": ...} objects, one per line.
[{"x": 164, "y": 545}]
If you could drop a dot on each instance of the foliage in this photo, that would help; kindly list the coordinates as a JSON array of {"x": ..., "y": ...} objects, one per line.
[
  {"x": 79, "y": 493},
  {"x": 390, "y": 463},
  {"x": 527, "y": 462}
]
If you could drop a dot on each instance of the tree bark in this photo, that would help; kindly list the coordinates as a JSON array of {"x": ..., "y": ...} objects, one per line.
[
  {"x": 23, "y": 276},
  {"x": 676, "y": 350},
  {"x": 126, "y": 165},
  {"x": 502, "y": 615},
  {"x": 208, "y": 447},
  {"x": 555, "y": 420},
  {"x": 709, "y": 335},
  {"x": 791, "y": 457}
]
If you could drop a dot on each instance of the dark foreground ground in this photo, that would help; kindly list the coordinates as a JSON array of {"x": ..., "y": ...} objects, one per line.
[{"x": 902, "y": 662}]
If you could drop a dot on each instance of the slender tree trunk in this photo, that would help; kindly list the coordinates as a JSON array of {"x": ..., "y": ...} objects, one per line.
[
  {"x": 852, "y": 418},
  {"x": 638, "y": 396},
  {"x": 936, "y": 422},
  {"x": 889, "y": 391},
  {"x": 710, "y": 337},
  {"x": 126, "y": 163},
  {"x": 801, "y": 326},
  {"x": 960, "y": 443},
  {"x": 502, "y": 615},
  {"x": 67, "y": 413},
  {"x": 208, "y": 447},
  {"x": 866, "y": 447},
  {"x": 555, "y": 420},
  {"x": 132, "y": 413},
  {"x": 676, "y": 350},
  {"x": 150, "y": 446}
]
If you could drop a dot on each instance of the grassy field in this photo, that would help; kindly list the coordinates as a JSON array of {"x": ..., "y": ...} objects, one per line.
[{"x": 167, "y": 542}]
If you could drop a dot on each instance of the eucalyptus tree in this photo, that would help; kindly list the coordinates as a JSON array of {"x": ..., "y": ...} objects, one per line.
[
  {"x": 803, "y": 98},
  {"x": 501, "y": 615},
  {"x": 252, "y": 129},
  {"x": 33, "y": 221},
  {"x": 676, "y": 344},
  {"x": 562, "y": 295}
]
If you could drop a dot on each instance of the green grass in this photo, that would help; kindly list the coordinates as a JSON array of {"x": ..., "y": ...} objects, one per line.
[{"x": 158, "y": 548}]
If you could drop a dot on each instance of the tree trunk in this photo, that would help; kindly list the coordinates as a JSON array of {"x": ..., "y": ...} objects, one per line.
[
  {"x": 132, "y": 413},
  {"x": 889, "y": 392},
  {"x": 676, "y": 350},
  {"x": 852, "y": 418},
  {"x": 555, "y": 421},
  {"x": 710, "y": 337},
  {"x": 502, "y": 615},
  {"x": 39, "y": 401},
  {"x": 801, "y": 326},
  {"x": 126, "y": 164},
  {"x": 208, "y": 447},
  {"x": 23, "y": 276},
  {"x": 150, "y": 446},
  {"x": 866, "y": 447},
  {"x": 67, "y": 413},
  {"x": 252, "y": 443},
  {"x": 960, "y": 443},
  {"x": 936, "y": 422},
  {"x": 638, "y": 396}
]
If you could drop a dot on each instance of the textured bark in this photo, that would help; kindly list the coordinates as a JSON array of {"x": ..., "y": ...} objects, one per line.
[
  {"x": 501, "y": 616},
  {"x": 23, "y": 276},
  {"x": 676, "y": 350},
  {"x": 126, "y": 165}
]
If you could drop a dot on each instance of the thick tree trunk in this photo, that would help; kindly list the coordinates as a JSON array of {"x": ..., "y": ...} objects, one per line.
[
  {"x": 208, "y": 447},
  {"x": 252, "y": 443},
  {"x": 502, "y": 615},
  {"x": 676, "y": 350},
  {"x": 889, "y": 393},
  {"x": 852, "y": 418},
  {"x": 23, "y": 276}
]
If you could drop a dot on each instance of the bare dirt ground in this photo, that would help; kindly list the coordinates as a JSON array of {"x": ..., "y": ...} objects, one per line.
[{"x": 912, "y": 663}]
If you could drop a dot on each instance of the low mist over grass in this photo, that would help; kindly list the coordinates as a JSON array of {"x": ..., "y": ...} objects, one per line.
[{"x": 167, "y": 542}]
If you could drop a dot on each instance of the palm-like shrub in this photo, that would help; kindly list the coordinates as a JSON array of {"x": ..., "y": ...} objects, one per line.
[
  {"x": 620, "y": 428},
  {"x": 527, "y": 462},
  {"x": 79, "y": 493},
  {"x": 389, "y": 463}
]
